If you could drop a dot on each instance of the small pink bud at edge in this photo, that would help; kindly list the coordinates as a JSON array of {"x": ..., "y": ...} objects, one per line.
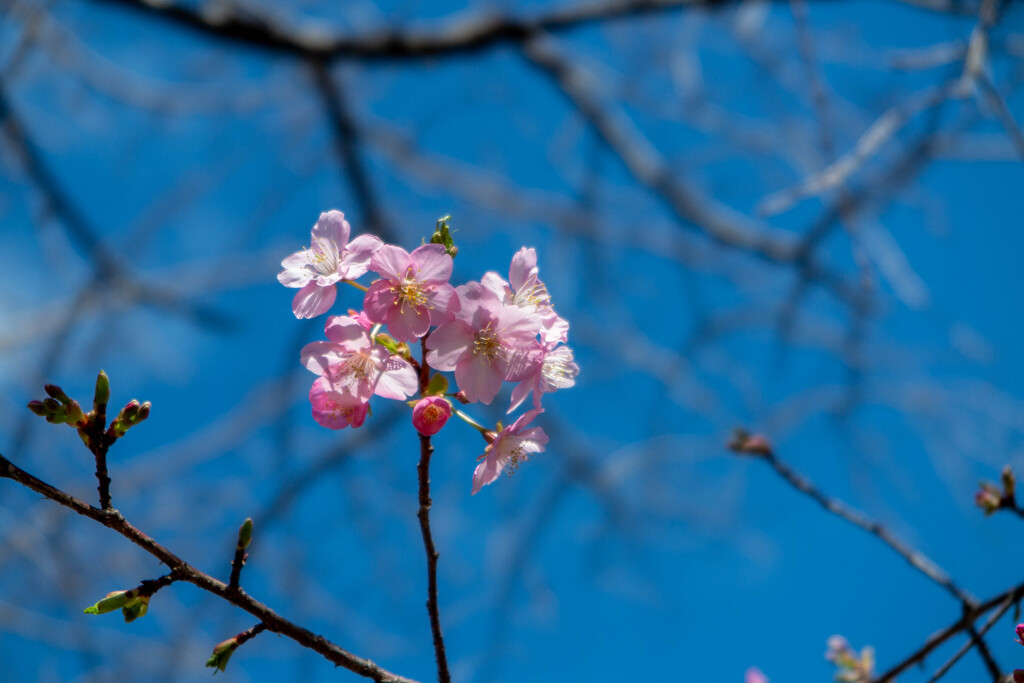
[{"x": 430, "y": 414}]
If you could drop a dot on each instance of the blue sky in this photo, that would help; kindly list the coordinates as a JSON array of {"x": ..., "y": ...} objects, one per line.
[{"x": 636, "y": 546}]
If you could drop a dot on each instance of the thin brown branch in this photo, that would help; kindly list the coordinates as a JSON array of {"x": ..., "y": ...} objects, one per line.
[
  {"x": 423, "y": 470},
  {"x": 914, "y": 557},
  {"x": 965, "y": 622},
  {"x": 113, "y": 519},
  {"x": 457, "y": 36}
]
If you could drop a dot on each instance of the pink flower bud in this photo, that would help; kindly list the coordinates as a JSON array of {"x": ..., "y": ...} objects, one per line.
[
  {"x": 1018, "y": 676},
  {"x": 1020, "y": 633},
  {"x": 430, "y": 414},
  {"x": 987, "y": 498}
]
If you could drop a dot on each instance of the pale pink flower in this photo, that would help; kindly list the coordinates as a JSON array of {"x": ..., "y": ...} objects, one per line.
[
  {"x": 352, "y": 363},
  {"x": 329, "y": 259},
  {"x": 481, "y": 340},
  {"x": 754, "y": 675},
  {"x": 413, "y": 293},
  {"x": 525, "y": 289},
  {"x": 511, "y": 447},
  {"x": 430, "y": 414},
  {"x": 544, "y": 369},
  {"x": 334, "y": 409}
]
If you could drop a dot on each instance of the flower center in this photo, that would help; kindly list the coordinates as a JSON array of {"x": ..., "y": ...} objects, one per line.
[
  {"x": 487, "y": 344},
  {"x": 409, "y": 291},
  {"x": 533, "y": 293},
  {"x": 324, "y": 255},
  {"x": 515, "y": 455}
]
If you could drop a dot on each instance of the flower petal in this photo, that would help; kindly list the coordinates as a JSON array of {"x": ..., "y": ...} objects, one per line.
[
  {"x": 391, "y": 262},
  {"x": 333, "y": 227},
  {"x": 318, "y": 357},
  {"x": 348, "y": 333},
  {"x": 478, "y": 378},
  {"x": 356, "y": 259},
  {"x": 447, "y": 343},
  {"x": 524, "y": 265},
  {"x": 398, "y": 380},
  {"x": 487, "y": 471},
  {"x": 312, "y": 300},
  {"x": 431, "y": 263},
  {"x": 408, "y": 323},
  {"x": 378, "y": 301},
  {"x": 443, "y": 304}
]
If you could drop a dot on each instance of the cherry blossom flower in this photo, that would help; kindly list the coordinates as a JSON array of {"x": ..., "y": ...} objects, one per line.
[
  {"x": 352, "y": 363},
  {"x": 544, "y": 369},
  {"x": 481, "y": 340},
  {"x": 755, "y": 675},
  {"x": 413, "y": 293},
  {"x": 329, "y": 259},
  {"x": 525, "y": 289},
  {"x": 335, "y": 409},
  {"x": 430, "y": 414},
  {"x": 510, "y": 447}
]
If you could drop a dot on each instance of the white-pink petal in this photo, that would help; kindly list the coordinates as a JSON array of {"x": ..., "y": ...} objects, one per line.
[
  {"x": 524, "y": 265},
  {"x": 332, "y": 226},
  {"x": 447, "y": 343},
  {"x": 391, "y": 262},
  {"x": 398, "y": 380},
  {"x": 312, "y": 300},
  {"x": 431, "y": 262}
]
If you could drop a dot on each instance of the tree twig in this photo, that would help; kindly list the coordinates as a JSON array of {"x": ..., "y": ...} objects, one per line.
[
  {"x": 914, "y": 557},
  {"x": 423, "y": 470},
  {"x": 113, "y": 519}
]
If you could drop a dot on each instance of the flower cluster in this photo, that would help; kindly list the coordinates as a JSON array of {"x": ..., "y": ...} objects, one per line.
[
  {"x": 851, "y": 666},
  {"x": 486, "y": 332}
]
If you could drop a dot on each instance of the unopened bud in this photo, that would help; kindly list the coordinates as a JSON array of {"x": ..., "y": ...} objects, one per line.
[
  {"x": 1020, "y": 633},
  {"x": 74, "y": 412},
  {"x": 222, "y": 653},
  {"x": 56, "y": 392},
  {"x": 51, "y": 406},
  {"x": 135, "y": 608},
  {"x": 1009, "y": 482},
  {"x": 102, "y": 394},
  {"x": 987, "y": 498},
  {"x": 130, "y": 410},
  {"x": 113, "y": 601},
  {"x": 245, "y": 534},
  {"x": 143, "y": 412},
  {"x": 37, "y": 407},
  {"x": 744, "y": 443},
  {"x": 461, "y": 398}
]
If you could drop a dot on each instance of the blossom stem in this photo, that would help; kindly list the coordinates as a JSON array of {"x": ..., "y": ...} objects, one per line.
[
  {"x": 356, "y": 285},
  {"x": 423, "y": 470},
  {"x": 473, "y": 423}
]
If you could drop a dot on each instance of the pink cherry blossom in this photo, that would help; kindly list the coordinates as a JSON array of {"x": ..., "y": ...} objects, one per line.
[
  {"x": 511, "y": 447},
  {"x": 525, "y": 289},
  {"x": 754, "y": 675},
  {"x": 413, "y": 293},
  {"x": 430, "y": 414},
  {"x": 481, "y": 340},
  {"x": 541, "y": 370},
  {"x": 329, "y": 259},
  {"x": 352, "y": 363},
  {"x": 334, "y": 409}
]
